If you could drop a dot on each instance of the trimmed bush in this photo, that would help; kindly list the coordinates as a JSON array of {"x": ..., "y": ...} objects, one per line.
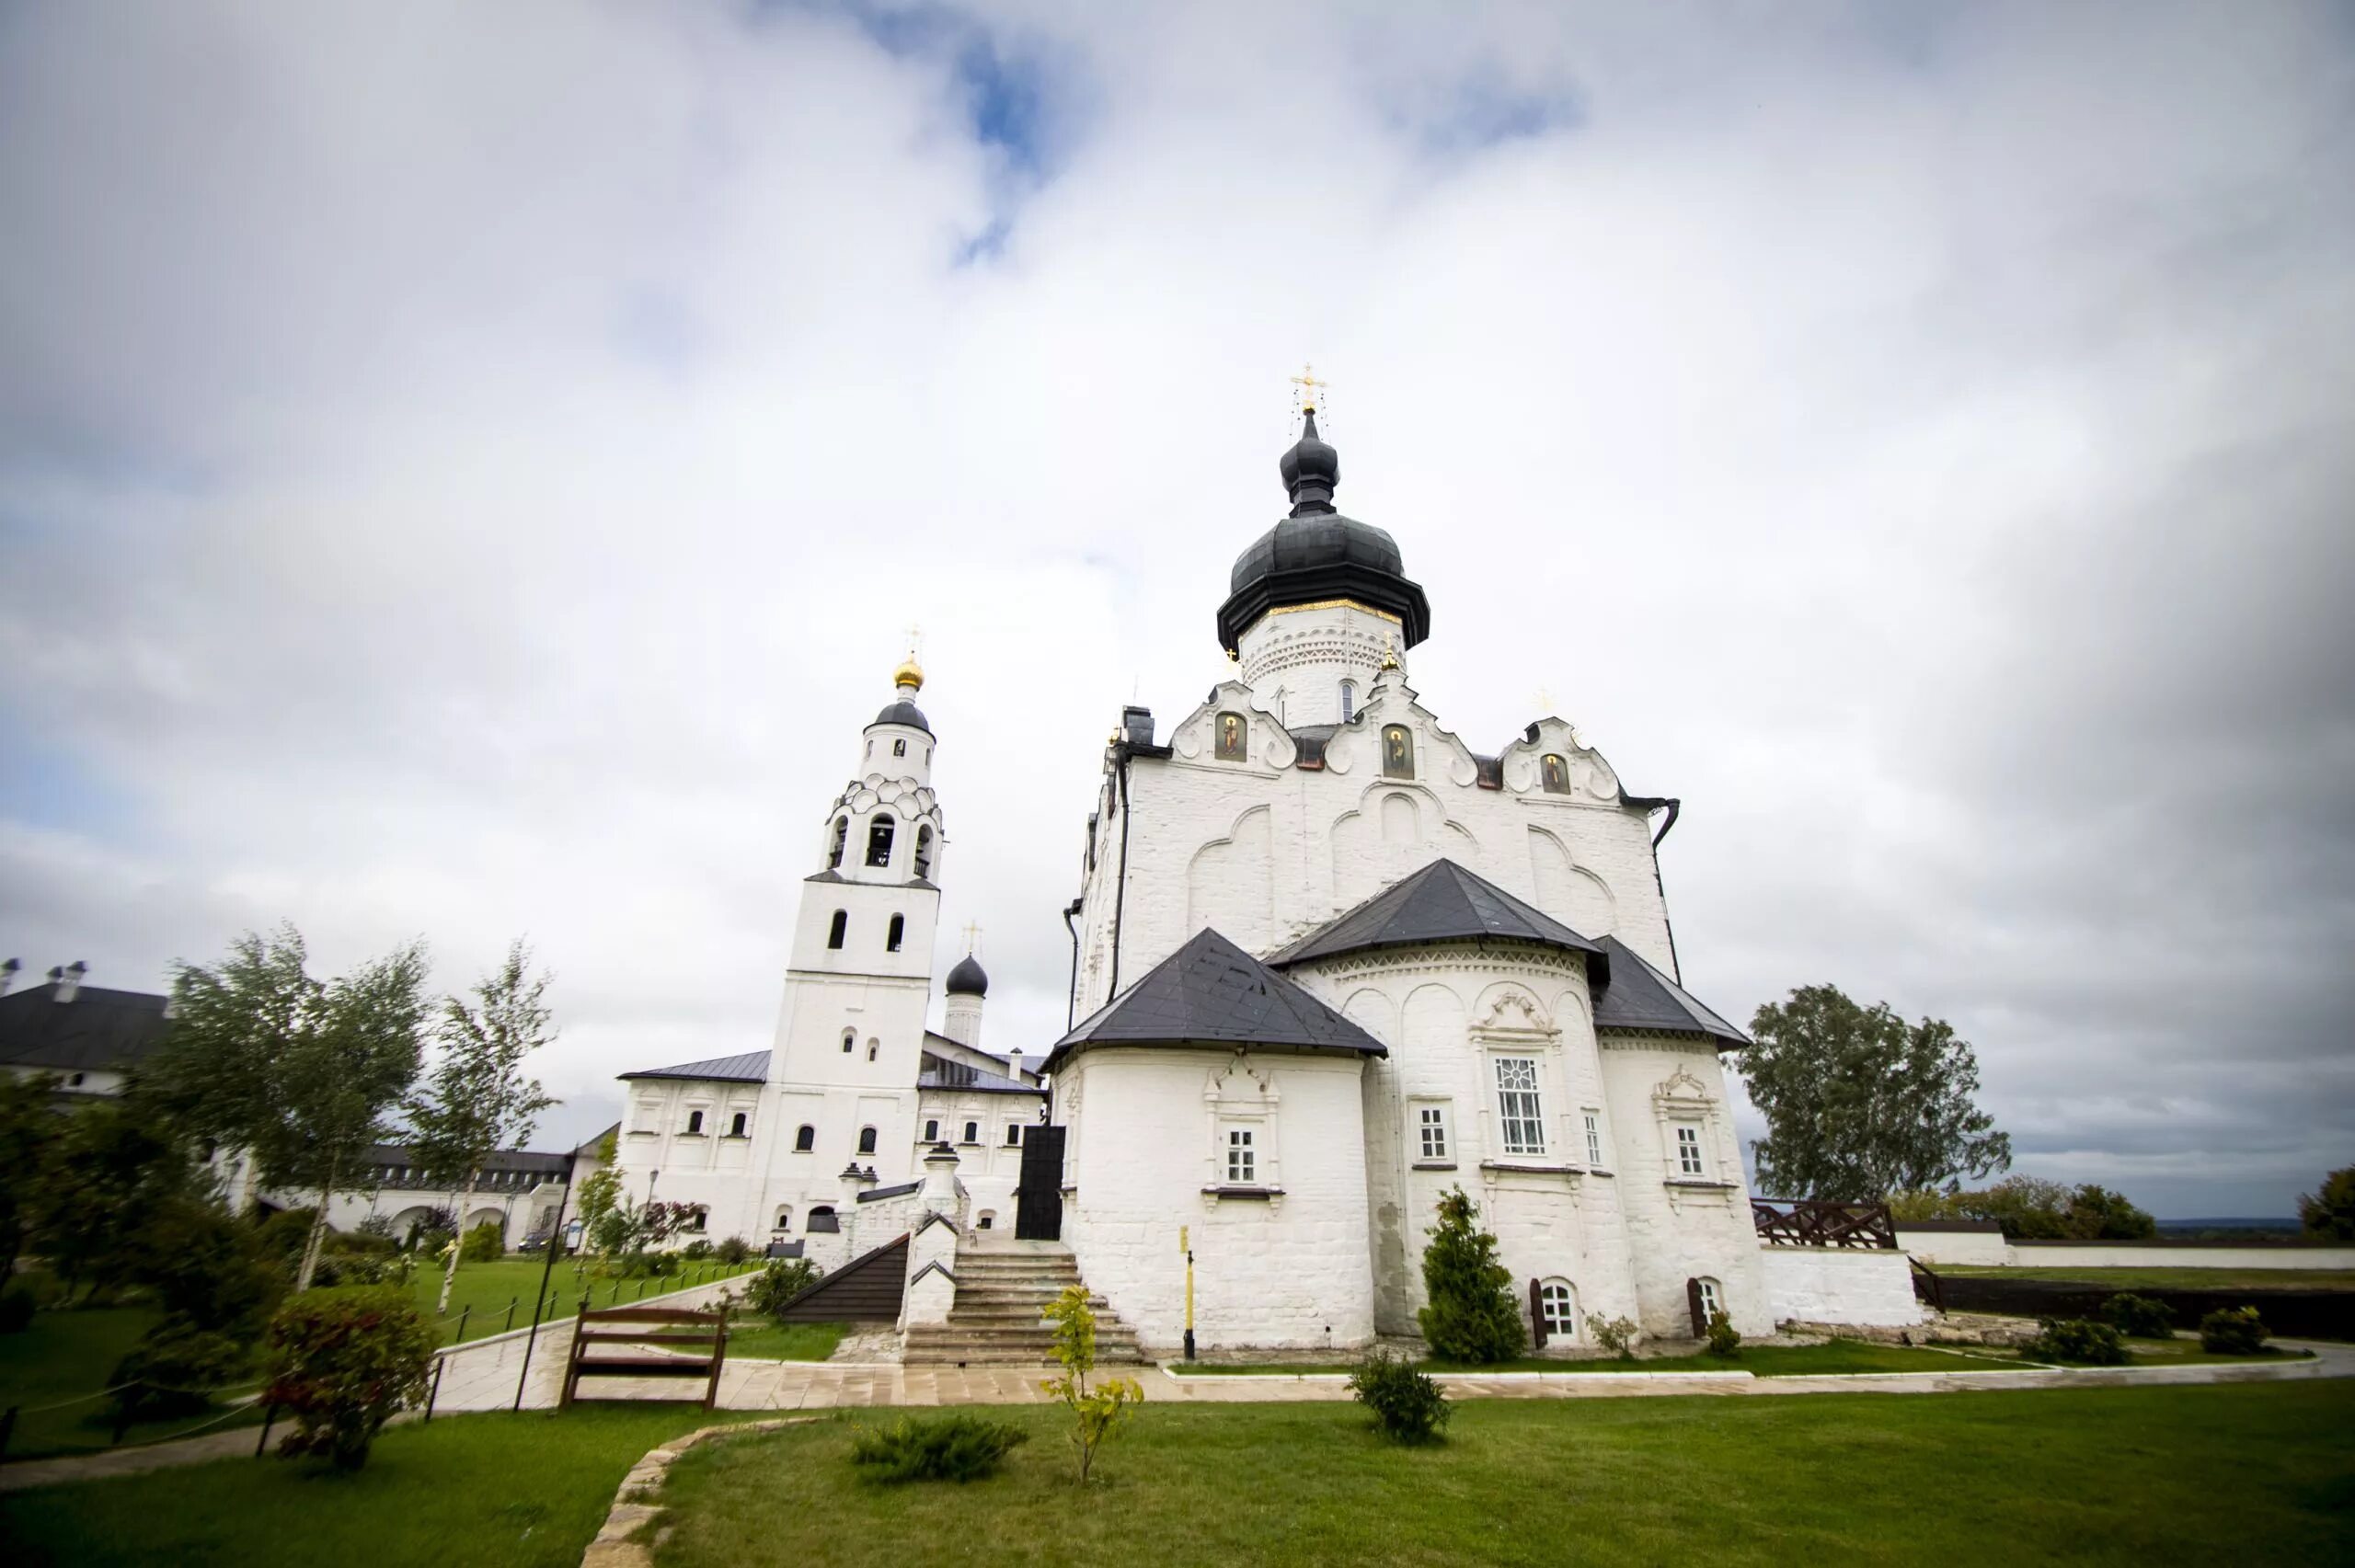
[
  {"x": 734, "y": 1250},
  {"x": 2232, "y": 1331},
  {"x": 768, "y": 1291},
  {"x": 343, "y": 1363},
  {"x": 2080, "y": 1340},
  {"x": 1473, "y": 1315},
  {"x": 1723, "y": 1338},
  {"x": 954, "y": 1447},
  {"x": 2139, "y": 1317},
  {"x": 17, "y": 1306},
  {"x": 174, "y": 1371},
  {"x": 1407, "y": 1404},
  {"x": 1616, "y": 1335},
  {"x": 483, "y": 1245}
]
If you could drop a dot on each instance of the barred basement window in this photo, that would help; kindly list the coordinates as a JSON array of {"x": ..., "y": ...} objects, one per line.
[
  {"x": 1432, "y": 1120},
  {"x": 1688, "y": 1149},
  {"x": 1518, "y": 1114},
  {"x": 1594, "y": 1139},
  {"x": 1242, "y": 1160}
]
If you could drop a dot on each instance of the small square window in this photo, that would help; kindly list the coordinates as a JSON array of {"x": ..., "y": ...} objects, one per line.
[
  {"x": 1688, "y": 1149},
  {"x": 1431, "y": 1123},
  {"x": 1013, "y": 1135},
  {"x": 1242, "y": 1157}
]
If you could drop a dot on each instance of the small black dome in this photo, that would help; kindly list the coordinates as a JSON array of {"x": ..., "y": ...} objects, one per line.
[
  {"x": 904, "y": 712},
  {"x": 967, "y": 979},
  {"x": 1316, "y": 553}
]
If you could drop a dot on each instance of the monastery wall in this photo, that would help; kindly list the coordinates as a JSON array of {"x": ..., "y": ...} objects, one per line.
[
  {"x": 1869, "y": 1288},
  {"x": 1286, "y": 1270}
]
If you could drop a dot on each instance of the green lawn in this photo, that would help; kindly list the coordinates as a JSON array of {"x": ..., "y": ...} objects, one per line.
[
  {"x": 487, "y": 1287},
  {"x": 66, "y": 1354},
  {"x": 2247, "y": 1475},
  {"x": 495, "y": 1491},
  {"x": 2184, "y": 1351},
  {"x": 764, "y": 1341},
  {"x": 2172, "y": 1279},
  {"x": 1764, "y": 1360}
]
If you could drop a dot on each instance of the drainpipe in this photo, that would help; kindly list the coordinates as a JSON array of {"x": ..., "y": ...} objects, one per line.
[
  {"x": 1648, "y": 804},
  {"x": 1120, "y": 888},
  {"x": 1071, "y": 992}
]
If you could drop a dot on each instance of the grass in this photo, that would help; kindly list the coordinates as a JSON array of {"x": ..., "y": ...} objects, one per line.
[
  {"x": 65, "y": 1355},
  {"x": 2172, "y": 1278},
  {"x": 2186, "y": 1353},
  {"x": 495, "y": 1491},
  {"x": 764, "y": 1341},
  {"x": 487, "y": 1287},
  {"x": 2247, "y": 1475},
  {"x": 1764, "y": 1360}
]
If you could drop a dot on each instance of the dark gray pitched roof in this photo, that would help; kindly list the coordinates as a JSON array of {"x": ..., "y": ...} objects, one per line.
[
  {"x": 934, "y": 1073},
  {"x": 1637, "y": 998},
  {"x": 1209, "y": 989},
  {"x": 1442, "y": 902},
  {"x": 99, "y": 1030},
  {"x": 751, "y": 1067}
]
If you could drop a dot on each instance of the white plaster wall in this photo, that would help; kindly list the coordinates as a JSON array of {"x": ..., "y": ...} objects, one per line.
[
  {"x": 1955, "y": 1247},
  {"x": 1276, "y": 1273},
  {"x": 2080, "y": 1254},
  {"x": 1266, "y": 850},
  {"x": 1869, "y": 1288}
]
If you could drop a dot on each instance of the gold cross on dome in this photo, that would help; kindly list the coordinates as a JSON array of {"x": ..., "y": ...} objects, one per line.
[
  {"x": 1309, "y": 386},
  {"x": 973, "y": 935}
]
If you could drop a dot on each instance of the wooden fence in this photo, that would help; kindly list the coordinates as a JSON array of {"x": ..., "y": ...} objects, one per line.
[{"x": 1818, "y": 1222}]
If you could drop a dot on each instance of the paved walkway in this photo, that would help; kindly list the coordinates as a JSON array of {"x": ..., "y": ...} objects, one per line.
[{"x": 482, "y": 1376}]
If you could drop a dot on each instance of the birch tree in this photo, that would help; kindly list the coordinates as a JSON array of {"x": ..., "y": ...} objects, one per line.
[
  {"x": 477, "y": 1099},
  {"x": 298, "y": 1073}
]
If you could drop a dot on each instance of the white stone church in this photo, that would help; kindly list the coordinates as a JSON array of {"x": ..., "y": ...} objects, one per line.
[{"x": 1332, "y": 961}]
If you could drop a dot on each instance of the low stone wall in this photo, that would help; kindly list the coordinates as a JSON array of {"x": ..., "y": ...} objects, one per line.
[
  {"x": 2145, "y": 1255},
  {"x": 1837, "y": 1286},
  {"x": 1952, "y": 1242}
]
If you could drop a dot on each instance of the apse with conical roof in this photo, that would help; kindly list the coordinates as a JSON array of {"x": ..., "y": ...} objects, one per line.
[{"x": 1314, "y": 602}]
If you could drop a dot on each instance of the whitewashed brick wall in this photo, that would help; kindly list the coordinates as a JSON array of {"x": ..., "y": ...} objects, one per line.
[{"x": 1869, "y": 1288}]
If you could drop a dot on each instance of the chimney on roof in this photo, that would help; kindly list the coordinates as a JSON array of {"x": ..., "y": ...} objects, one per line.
[
  {"x": 69, "y": 979},
  {"x": 8, "y": 975}
]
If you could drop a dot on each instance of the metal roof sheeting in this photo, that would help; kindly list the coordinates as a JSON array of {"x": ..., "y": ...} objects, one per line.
[{"x": 1212, "y": 990}]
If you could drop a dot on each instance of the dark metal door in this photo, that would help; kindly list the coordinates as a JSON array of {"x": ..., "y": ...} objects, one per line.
[{"x": 1039, "y": 1200}]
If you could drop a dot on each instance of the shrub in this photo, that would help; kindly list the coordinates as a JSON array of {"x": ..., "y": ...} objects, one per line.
[
  {"x": 734, "y": 1250},
  {"x": 1616, "y": 1335},
  {"x": 1407, "y": 1404},
  {"x": 483, "y": 1245},
  {"x": 696, "y": 1250},
  {"x": 362, "y": 1243},
  {"x": 955, "y": 1448},
  {"x": 768, "y": 1291},
  {"x": 343, "y": 1363},
  {"x": 17, "y": 1306},
  {"x": 379, "y": 1226},
  {"x": 284, "y": 1234},
  {"x": 1723, "y": 1338},
  {"x": 2232, "y": 1331},
  {"x": 1473, "y": 1315},
  {"x": 2139, "y": 1317},
  {"x": 175, "y": 1370},
  {"x": 1096, "y": 1413},
  {"x": 2078, "y": 1339},
  {"x": 429, "y": 1241}
]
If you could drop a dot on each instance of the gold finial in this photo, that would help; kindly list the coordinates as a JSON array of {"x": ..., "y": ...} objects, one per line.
[
  {"x": 973, "y": 935},
  {"x": 1304, "y": 400},
  {"x": 910, "y": 674},
  {"x": 1545, "y": 702},
  {"x": 1389, "y": 653}
]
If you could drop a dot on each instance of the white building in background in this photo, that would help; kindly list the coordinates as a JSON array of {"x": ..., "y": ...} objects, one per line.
[{"x": 815, "y": 1145}]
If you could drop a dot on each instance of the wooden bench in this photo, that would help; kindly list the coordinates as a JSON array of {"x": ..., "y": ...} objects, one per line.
[{"x": 646, "y": 1342}]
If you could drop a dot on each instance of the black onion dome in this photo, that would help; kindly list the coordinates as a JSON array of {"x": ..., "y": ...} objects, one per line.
[
  {"x": 1316, "y": 553},
  {"x": 967, "y": 979},
  {"x": 904, "y": 712}
]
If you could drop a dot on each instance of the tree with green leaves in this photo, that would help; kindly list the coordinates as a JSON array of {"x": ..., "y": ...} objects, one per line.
[
  {"x": 30, "y": 1130},
  {"x": 117, "y": 1164},
  {"x": 301, "y": 1073},
  {"x": 2329, "y": 1209},
  {"x": 477, "y": 1099},
  {"x": 1859, "y": 1104},
  {"x": 1473, "y": 1315}
]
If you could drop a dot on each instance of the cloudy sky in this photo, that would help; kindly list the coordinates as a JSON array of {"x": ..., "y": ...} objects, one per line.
[{"x": 466, "y": 471}]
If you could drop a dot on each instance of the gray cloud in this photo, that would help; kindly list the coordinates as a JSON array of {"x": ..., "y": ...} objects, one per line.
[{"x": 466, "y": 474}]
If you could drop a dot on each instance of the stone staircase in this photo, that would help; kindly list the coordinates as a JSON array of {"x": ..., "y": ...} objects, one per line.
[{"x": 1001, "y": 1291}]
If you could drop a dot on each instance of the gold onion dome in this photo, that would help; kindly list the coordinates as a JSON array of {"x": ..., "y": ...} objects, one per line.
[{"x": 910, "y": 674}]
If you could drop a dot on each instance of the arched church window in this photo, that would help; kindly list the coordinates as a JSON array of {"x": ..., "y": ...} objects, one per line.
[
  {"x": 932, "y": 1130},
  {"x": 988, "y": 1217},
  {"x": 823, "y": 1218},
  {"x": 839, "y": 929},
  {"x": 737, "y": 1125},
  {"x": 1557, "y": 1306},
  {"x": 842, "y": 836},
  {"x": 973, "y": 1133},
  {"x": 783, "y": 1219},
  {"x": 1233, "y": 737},
  {"x": 867, "y": 1141},
  {"x": 896, "y": 930},
  {"x": 1348, "y": 700},
  {"x": 1554, "y": 773},
  {"x": 878, "y": 841},
  {"x": 1397, "y": 752},
  {"x": 806, "y": 1139},
  {"x": 898, "y": 749},
  {"x": 924, "y": 852},
  {"x": 874, "y": 1048},
  {"x": 850, "y": 1040}
]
